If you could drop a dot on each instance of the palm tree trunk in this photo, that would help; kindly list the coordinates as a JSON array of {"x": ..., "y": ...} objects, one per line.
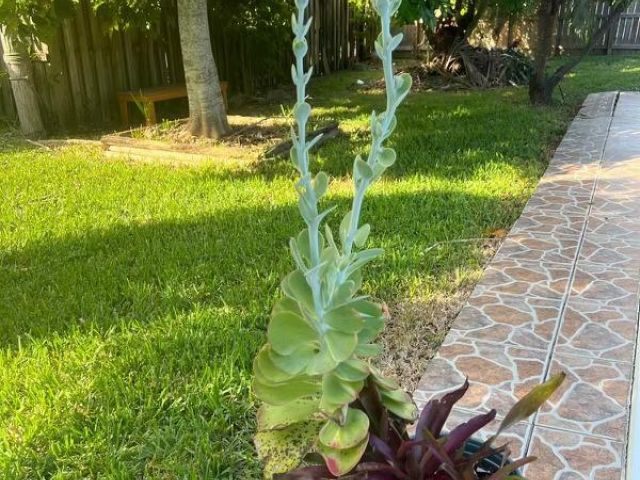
[
  {"x": 18, "y": 63},
  {"x": 207, "y": 114}
]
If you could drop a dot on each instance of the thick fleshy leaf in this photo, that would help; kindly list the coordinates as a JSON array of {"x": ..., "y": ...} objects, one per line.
[
  {"x": 286, "y": 305},
  {"x": 383, "y": 382},
  {"x": 282, "y": 450},
  {"x": 362, "y": 234},
  {"x": 387, "y": 157},
  {"x": 368, "y": 350},
  {"x": 367, "y": 308},
  {"x": 403, "y": 85},
  {"x": 341, "y": 345},
  {"x": 344, "y": 293},
  {"x": 354, "y": 430},
  {"x": 531, "y": 402},
  {"x": 399, "y": 403},
  {"x": 288, "y": 331},
  {"x": 361, "y": 169},
  {"x": 286, "y": 392},
  {"x": 371, "y": 331},
  {"x": 302, "y": 241},
  {"x": 396, "y": 41},
  {"x": 365, "y": 256},
  {"x": 266, "y": 370},
  {"x": 296, "y": 362},
  {"x": 345, "y": 319},
  {"x": 344, "y": 227},
  {"x": 320, "y": 184},
  {"x": 302, "y": 111},
  {"x": 353, "y": 370},
  {"x": 341, "y": 462},
  {"x": 337, "y": 392},
  {"x": 272, "y": 417},
  {"x": 321, "y": 362},
  {"x": 295, "y": 286}
]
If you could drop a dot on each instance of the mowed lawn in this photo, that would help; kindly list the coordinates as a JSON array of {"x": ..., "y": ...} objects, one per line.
[{"x": 133, "y": 297}]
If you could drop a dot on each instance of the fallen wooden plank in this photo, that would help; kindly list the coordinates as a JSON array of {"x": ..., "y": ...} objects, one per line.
[{"x": 282, "y": 149}]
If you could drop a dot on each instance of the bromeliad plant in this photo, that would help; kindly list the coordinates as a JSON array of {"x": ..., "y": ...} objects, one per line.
[
  {"x": 321, "y": 337},
  {"x": 432, "y": 453}
]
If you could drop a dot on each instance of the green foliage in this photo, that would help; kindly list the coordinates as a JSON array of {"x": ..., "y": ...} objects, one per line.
[
  {"x": 25, "y": 18},
  {"x": 435, "y": 12},
  {"x": 321, "y": 335}
]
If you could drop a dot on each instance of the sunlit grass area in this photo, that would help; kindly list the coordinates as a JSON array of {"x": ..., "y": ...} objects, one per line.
[{"x": 133, "y": 297}]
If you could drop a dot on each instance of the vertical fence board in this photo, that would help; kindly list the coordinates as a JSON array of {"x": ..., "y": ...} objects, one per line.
[
  {"x": 75, "y": 73},
  {"x": 103, "y": 68}
]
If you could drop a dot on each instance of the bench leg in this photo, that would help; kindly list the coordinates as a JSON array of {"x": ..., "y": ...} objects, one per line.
[
  {"x": 124, "y": 113},
  {"x": 150, "y": 108}
]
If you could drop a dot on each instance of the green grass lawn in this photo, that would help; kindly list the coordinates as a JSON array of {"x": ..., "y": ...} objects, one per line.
[{"x": 133, "y": 297}]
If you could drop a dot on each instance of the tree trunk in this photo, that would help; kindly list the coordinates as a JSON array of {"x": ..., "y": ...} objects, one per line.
[
  {"x": 547, "y": 19},
  {"x": 18, "y": 63},
  {"x": 541, "y": 86},
  {"x": 207, "y": 114}
]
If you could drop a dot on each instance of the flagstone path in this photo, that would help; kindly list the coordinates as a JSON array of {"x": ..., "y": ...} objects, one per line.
[{"x": 562, "y": 294}]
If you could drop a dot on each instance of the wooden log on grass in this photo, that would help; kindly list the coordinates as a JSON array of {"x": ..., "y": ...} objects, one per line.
[{"x": 282, "y": 149}]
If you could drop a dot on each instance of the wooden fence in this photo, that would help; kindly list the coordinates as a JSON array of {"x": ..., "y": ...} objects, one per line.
[
  {"x": 624, "y": 36},
  {"x": 84, "y": 64}
]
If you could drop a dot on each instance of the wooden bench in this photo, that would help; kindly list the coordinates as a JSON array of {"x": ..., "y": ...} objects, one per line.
[{"x": 149, "y": 96}]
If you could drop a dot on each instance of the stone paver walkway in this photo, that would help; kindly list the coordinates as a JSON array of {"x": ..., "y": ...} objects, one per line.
[{"x": 562, "y": 294}]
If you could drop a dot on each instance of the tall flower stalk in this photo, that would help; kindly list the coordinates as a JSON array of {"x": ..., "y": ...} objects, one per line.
[{"x": 321, "y": 337}]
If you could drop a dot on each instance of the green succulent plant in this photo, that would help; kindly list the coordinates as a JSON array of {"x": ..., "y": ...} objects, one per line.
[{"x": 322, "y": 333}]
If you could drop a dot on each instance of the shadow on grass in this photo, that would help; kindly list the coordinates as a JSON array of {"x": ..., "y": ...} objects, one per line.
[{"x": 234, "y": 260}]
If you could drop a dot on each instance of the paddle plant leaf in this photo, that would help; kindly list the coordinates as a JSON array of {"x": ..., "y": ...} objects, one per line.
[
  {"x": 288, "y": 331},
  {"x": 345, "y": 319},
  {"x": 353, "y": 370},
  {"x": 400, "y": 404},
  {"x": 337, "y": 392},
  {"x": 282, "y": 393},
  {"x": 283, "y": 450},
  {"x": 341, "y": 462},
  {"x": 275, "y": 417},
  {"x": 295, "y": 286},
  {"x": 362, "y": 235},
  {"x": 387, "y": 157},
  {"x": 350, "y": 433},
  {"x": 268, "y": 371}
]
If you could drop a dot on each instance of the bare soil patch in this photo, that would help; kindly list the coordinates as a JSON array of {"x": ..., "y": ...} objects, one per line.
[{"x": 417, "y": 328}]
